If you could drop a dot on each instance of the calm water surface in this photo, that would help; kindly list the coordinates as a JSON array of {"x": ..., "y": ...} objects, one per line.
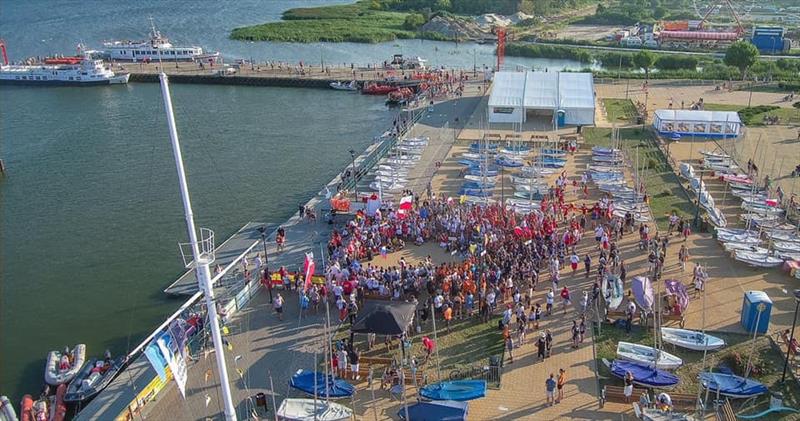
[{"x": 90, "y": 210}]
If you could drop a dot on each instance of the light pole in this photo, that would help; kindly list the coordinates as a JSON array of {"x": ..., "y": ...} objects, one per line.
[
  {"x": 263, "y": 231},
  {"x": 791, "y": 338},
  {"x": 355, "y": 180}
]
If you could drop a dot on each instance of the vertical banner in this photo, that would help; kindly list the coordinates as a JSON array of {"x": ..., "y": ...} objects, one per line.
[{"x": 308, "y": 268}]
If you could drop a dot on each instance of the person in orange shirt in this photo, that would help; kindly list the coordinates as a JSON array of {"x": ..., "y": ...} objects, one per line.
[{"x": 448, "y": 316}]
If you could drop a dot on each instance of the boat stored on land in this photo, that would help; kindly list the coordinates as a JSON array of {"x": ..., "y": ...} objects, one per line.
[
  {"x": 457, "y": 390},
  {"x": 644, "y": 354},
  {"x": 294, "y": 409},
  {"x": 643, "y": 375},
  {"x": 325, "y": 386},
  {"x": 731, "y": 385},
  {"x": 690, "y": 339}
]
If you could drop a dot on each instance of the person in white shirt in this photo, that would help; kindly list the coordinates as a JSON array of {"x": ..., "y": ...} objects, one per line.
[{"x": 549, "y": 301}]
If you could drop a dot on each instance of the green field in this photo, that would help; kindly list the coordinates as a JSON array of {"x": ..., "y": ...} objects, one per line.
[
  {"x": 346, "y": 23},
  {"x": 767, "y": 360},
  {"x": 663, "y": 186},
  {"x": 619, "y": 110},
  {"x": 754, "y": 116}
]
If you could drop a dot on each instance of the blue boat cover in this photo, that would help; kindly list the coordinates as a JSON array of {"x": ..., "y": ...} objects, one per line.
[
  {"x": 458, "y": 390},
  {"x": 644, "y": 374},
  {"x": 304, "y": 381},
  {"x": 436, "y": 411},
  {"x": 732, "y": 385}
]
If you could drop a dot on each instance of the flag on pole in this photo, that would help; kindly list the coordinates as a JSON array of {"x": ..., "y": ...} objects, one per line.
[
  {"x": 308, "y": 270},
  {"x": 406, "y": 204}
]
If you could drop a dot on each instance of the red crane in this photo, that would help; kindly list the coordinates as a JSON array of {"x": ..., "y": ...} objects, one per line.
[
  {"x": 501, "y": 46},
  {"x": 3, "y": 49}
]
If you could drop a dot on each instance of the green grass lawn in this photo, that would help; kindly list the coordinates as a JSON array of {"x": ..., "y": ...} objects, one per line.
[
  {"x": 619, "y": 110},
  {"x": 342, "y": 23},
  {"x": 755, "y": 116},
  {"x": 467, "y": 343},
  {"x": 666, "y": 193},
  {"x": 738, "y": 348}
]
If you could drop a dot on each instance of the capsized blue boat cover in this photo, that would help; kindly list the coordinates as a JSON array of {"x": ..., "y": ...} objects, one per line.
[
  {"x": 644, "y": 374},
  {"x": 304, "y": 381},
  {"x": 458, "y": 390},
  {"x": 436, "y": 411},
  {"x": 732, "y": 385}
]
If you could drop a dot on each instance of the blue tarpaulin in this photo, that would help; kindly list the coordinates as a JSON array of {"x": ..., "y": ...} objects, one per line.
[{"x": 436, "y": 411}]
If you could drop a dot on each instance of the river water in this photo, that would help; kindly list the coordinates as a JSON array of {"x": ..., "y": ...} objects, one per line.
[{"x": 90, "y": 212}]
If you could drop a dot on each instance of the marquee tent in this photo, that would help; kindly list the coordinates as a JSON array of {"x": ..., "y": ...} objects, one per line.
[
  {"x": 698, "y": 123},
  {"x": 568, "y": 98}
]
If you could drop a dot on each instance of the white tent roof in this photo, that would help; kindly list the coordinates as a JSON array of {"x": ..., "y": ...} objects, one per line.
[
  {"x": 575, "y": 90},
  {"x": 508, "y": 89},
  {"x": 541, "y": 90},
  {"x": 696, "y": 115}
]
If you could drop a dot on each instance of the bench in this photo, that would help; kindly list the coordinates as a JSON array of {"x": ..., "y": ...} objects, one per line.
[
  {"x": 617, "y": 394},
  {"x": 373, "y": 361},
  {"x": 674, "y": 318},
  {"x": 725, "y": 412},
  {"x": 616, "y": 314},
  {"x": 683, "y": 401}
]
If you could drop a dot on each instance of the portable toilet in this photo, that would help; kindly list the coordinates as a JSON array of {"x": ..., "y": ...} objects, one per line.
[{"x": 756, "y": 302}]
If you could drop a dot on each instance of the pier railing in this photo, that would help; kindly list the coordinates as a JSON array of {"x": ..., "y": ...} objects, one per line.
[{"x": 367, "y": 163}]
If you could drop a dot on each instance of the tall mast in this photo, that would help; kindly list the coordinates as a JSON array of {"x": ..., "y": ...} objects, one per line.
[{"x": 201, "y": 261}]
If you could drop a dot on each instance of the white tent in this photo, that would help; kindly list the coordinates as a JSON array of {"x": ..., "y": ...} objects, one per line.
[
  {"x": 506, "y": 99},
  {"x": 576, "y": 98},
  {"x": 698, "y": 123},
  {"x": 516, "y": 94}
]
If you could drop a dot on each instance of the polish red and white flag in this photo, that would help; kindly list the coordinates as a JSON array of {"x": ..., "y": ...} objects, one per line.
[
  {"x": 308, "y": 270},
  {"x": 406, "y": 203}
]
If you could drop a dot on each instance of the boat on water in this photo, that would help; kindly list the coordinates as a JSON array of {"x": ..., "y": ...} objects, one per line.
[
  {"x": 34, "y": 410},
  {"x": 643, "y": 375},
  {"x": 643, "y": 292},
  {"x": 691, "y": 339},
  {"x": 457, "y": 390},
  {"x": 612, "y": 291},
  {"x": 310, "y": 382},
  {"x": 81, "y": 70},
  {"x": 351, "y": 86},
  {"x": 54, "y": 375},
  {"x": 400, "y": 62},
  {"x": 377, "y": 89},
  {"x": 7, "y": 412},
  {"x": 399, "y": 96},
  {"x": 436, "y": 411},
  {"x": 646, "y": 355},
  {"x": 157, "y": 47},
  {"x": 731, "y": 385},
  {"x": 58, "y": 410},
  {"x": 299, "y": 409},
  {"x": 92, "y": 379}
]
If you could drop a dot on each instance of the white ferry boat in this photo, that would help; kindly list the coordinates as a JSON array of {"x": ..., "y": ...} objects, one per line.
[
  {"x": 80, "y": 70},
  {"x": 154, "y": 49}
]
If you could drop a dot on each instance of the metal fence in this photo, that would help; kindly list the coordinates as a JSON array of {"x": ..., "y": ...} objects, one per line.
[{"x": 492, "y": 372}]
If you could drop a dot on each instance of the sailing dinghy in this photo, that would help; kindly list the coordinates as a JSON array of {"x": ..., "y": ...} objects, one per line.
[
  {"x": 644, "y": 354},
  {"x": 691, "y": 339},
  {"x": 643, "y": 374},
  {"x": 293, "y": 409},
  {"x": 643, "y": 292},
  {"x": 612, "y": 291},
  {"x": 326, "y": 386},
  {"x": 457, "y": 390},
  {"x": 731, "y": 385}
]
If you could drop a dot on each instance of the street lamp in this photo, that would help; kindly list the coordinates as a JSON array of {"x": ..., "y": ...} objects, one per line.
[
  {"x": 355, "y": 181},
  {"x": 791, "y": 338},
  {"x": 263, "y": 230}
]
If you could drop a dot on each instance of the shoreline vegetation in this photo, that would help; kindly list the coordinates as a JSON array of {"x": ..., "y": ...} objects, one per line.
[{"x": 616, "y": 64}]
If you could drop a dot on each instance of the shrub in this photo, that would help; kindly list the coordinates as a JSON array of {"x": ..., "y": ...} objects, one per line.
[
  {"x": 414, "y": 21},
  {"x": 675, "y": 62}
]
